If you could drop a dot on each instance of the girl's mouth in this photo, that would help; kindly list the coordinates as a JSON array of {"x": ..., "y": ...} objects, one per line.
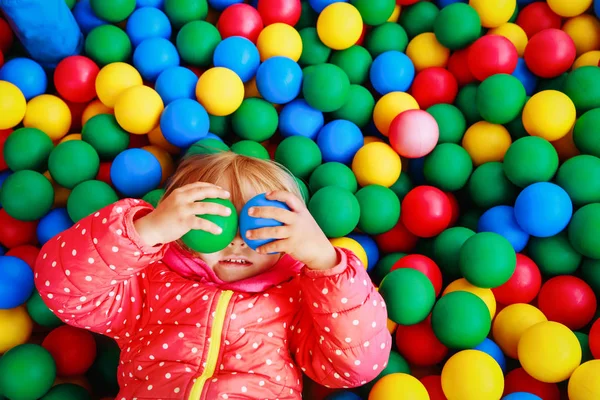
[{"x": 235, "y": 262}]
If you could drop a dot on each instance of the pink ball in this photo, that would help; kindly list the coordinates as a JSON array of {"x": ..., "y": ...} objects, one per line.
[{"x": 414, "y": 133}]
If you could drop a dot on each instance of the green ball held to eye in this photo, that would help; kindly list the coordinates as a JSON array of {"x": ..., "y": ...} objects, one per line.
[{"x": 205, "y": 242}]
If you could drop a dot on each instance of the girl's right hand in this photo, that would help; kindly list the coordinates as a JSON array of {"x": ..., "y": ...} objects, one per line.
[{"x": 177, "y": 214}]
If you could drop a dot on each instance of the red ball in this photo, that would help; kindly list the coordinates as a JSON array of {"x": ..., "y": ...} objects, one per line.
[
  {"x": 77, "y": 110},
  {"x": 490, "y": 55},
  {"x": 568, "y": 300},
  {"x": 240, "y": 20},
  {"x": 433, "y": 384},
  {"x": 14, "y": 233},
  {"x": 458, "y": 65},
  {"x": 1, "y": 59},
  {"x": 26, "y": 252},
  {"x": 138, "y": 141},
  {"x": 595, "y": 339},
  {"x": 536, "y": 17},
  {"x": 455, "y": 208},
  {"x": 550, "y": 53},
  {"x": 446, "y": 87},
  {"x": 285, "y": 11},
  {"x": 518, "y": 380},
  {"x": 406, "y": 2},
  {"x": 73, "y": 350},
  {"x": 4, "y": 134},
  {"x": 6, "y": 36},
  {"x": 363, "y": 33},
  {"x": 419, "y": 345},
  {"x": 397, "y": 239},
  {"x": 104, "y": 172},
  {"x": 523, "y": 286},
  {"x": 426, "y": 211},
  {"x": 75, "y": 79},
  {"x": 422, "y": 264}
]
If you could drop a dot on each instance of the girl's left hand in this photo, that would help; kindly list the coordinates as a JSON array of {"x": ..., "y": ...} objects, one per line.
[{"x": 300, "y": 236}]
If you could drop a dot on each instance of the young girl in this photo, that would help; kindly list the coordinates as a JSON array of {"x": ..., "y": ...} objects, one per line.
[{"x": 236, "y": 324}]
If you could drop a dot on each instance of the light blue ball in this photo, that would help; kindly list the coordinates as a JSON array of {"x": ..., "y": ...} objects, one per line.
[
  {"x": 184, "y": 122},
  {"x": 52, "y": 224},
  {"x": 239, "y": 55},
  {"x": 494, "y": 351},
  {"x": 16, "y": 282},
  {"x": 392, "y": 71},
  {"x": 147, "y": 23},
  {"x": 150, "y": 3},
  {"x": 176, "y": 83},
  {"x": 85, "y": 16},
  {"x": 527, "y": 78},
  {"x": 153, "y": 56},
  {"x": 339, "y": 141},
  {"x": 521, "y": 396},
  {"x": 211, "y": 135},
  {"x": 501, "y": 220},
  {"x": 220, "y": 5},
  {"x": 27, "y": 75},
  {"x": 279, "y": 80},
  {"x": 370, "y": 247},
  {"x": 319, "y": 5},
  {"x": 543, "y": 209},
  {"x": 247, "y": 223},
  {"x": 298, "y": 118},
  {"x": 135, "y": 172}
]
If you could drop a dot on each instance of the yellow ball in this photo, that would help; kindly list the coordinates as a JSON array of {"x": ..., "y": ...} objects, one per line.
[
  {"x": 591, "y": 58},
  {"x": 398, "y": 386},
  {"x": 585, "y": 32},
  {"x": 16, "y": 328},
  {"x": 391, "y": 325},
  {"x": 138, "y": 109},
  {"x": 425, "y": 51},
  {"x": 396, "y": 14},
  {"x": 113, "y": 79},
  {"x": 12, "y": 105},
  {"x": 486, "y": 142},
  {"x": 549, "y": 352},
  {"x": 353, "y": 246},
  {"x": 569, "y": 8},
  {"x": 279, "y": 39},
  {"x": 49, "y": 114},
  {"x": 584, "y": 384},
  {"x": 94, "y": 108},
  {"x": 514, "y": 33},
  {"x": 339, "y": 26},
  {"x": 371, "y": 139},
  {"x": 389, "y": 106},
  {"x": 494, "y": 13},
  {"x": 72, "y": 136},
  {"x": 484, "y": 294},
  {"x": 472, "y": 375},
  {"x": 376, "y": 164},
  {"x": 511, "y": 323},
  {"x": 157, "y": 138},
  {"x": 549, "y": 114},
  {"x": 165, "y": 160},
  {"x": 220, "y": 91}
]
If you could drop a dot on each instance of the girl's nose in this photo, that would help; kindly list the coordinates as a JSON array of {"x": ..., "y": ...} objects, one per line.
[{"x": 238, "y": 241}]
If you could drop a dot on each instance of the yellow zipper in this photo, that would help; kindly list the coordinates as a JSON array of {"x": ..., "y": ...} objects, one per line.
[{"x": 214, "y": 347}]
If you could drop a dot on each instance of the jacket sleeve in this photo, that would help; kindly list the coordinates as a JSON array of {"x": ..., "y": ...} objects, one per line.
[
  {"x": 340, "y": 336},
  {"x": 91, "y": 275}
]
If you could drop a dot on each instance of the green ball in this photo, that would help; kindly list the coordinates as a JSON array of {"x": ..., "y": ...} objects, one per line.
[
  {"x": 500, "y": 98},
  {"x": 469, "y": 219},
  {"x": 70, "y": 3},
  {"x": 89, "y": 197},
  {"x": 387, "y": 37},
  {"x": 107, "y": 44},
  {"x": 451, "y": 122},
  {"x": 582, "y": 85},
  {"x": 466, "y": 101},
  {"x": 206, "y": 242},
  {"x": 308, "y": 16},
  {"x": 529, "y": 160},
  {"x": 448, "y": 167},
  {"x": 590, "y": 273},
  {"x": 384, "y": 266},
  {"x": 355, "y": 61},
  {"x": 105, "y": 135},
  {"x": 557, "y": 83},
  {"x": 333, "y": 174},
  {"x": 358, "y": 108},
  {"x": 584, "y": 231},
  {"x": 379, "y": 209},
  {"x": 489, "y": 186},
  {"x": 336, "y": 210},
  {"x": 40, "y": 313},
  {"x": 580, "y": 178},
  {"x": 220, "y": 126},
  {"x": 584, "y": 342},
  {"x": 402, "y": 186},
  {"x": 207, "y": 146},
  {"x": 446, "y": 249},
  {"x": 196, "y": 43},
  {"x": 487, "y": 260},
  {"x": 256, "y": 119},
  {"x": 67, "y": 391},
  {"x": 515, "y": 127},
  {"x": 313, "y": 50},
  {"x": 396, "y": 364},
  {"x": 180, "y": 12},
  {"x": 303, "y": 189},
  {"x": 113, "y": 10},
  {"x": 103, "y": 372},
  {"x": 250, "y": 148},
  {"x": 374, "y": 12},
  {"x": 456, "y": 26},
  {"x": 586, "y": 134},
  {"x": 325, "y": 87},
  {"x": 460, "y": 320},
  {"x": 300, "y": 155},
  {"x": 27, "y": 148},
  {"x": 153, "y": 197},
  {"x": 27, "y": 195},
  {"x": 27, "y": 372},
  {"x": 408, "y": 294},
  {"x": 73, "y": 162},
  {"x": 419, "y": 18},
  {"x": 554, "y": 255}
]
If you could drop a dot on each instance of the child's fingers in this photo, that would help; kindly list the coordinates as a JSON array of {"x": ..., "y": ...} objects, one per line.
[
  {"x": 272, "y": 232},
  {"x": 277, "y": 246},
  {"x": 207, "y": 207},
  {"x": 276, "y": 213},
  {"x": 293, "y": 202},
  {"x": 204, "y": 225}
]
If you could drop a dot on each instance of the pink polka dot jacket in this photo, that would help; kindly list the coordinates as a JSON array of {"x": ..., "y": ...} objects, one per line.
[{"x": 184, "y": 334}]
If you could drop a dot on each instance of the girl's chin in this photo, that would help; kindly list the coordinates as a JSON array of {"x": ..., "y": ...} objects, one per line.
[{"x": 232, "y": 273}]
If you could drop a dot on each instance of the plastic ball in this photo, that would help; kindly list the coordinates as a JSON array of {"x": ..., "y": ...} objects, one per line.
[
  {"x": 514, "y": 33},
  {"x": 105, "y": 135},
  {"x": 458, "y": 66},
  {"x": 526, "y": 77},
  {"x": 220, "y": 91},
  {"x": 113, "y": 10},
  {"x": 344, "y": 395},
  {"x": 247, "y": 222},
  {"x": 493, "y": 350},
  {"x": 138, "y": 109},
  {"x": 27, "y": 75},
  {"x": 332, "y": 174},
  {"x": 279, "y": 40},
  {"x": 445, "y": 83},
  {"x": 554, "y": 255},
  {"x": 530, "y": 160},
  {"x": 367, "y": 244},
  {"x": 27, "y": 372},
  {"x": 524, "y": 284},
  {"x": 543, "y": 209},
  {"x": 549, "y": 114},
  {"x": 423, "y": 264},
  {"x": 153, "y": 56},
  {"x": 568, "y": 300},
  {"x": 55, "y": 222},
  {"x": 256, "y": 119},
  {"x": 196, "y": 43},
  {"x": 206, "y": 242},
  {"x": 584, "y": 134},
  {"x": 492, "y": 54},
  {"x": 451, "y": 122},
  {"x": 146, "y": 23},
  {"x": 89, "y": 197},
  {"x": 285, "y": 11},
  {"x": 391, "y": 71},
  {"x": 376, "y": 164},
  {"x": 352, "y": 245},
  {"x": 463, "y": 369},
  {"x": 379, "y": 209},
  {"x": 569, "y": 8},
  {"x": 339, "y": 141},
  {"x": 398, "y": 385},
  {"x": 17, "y": 282},
  {"x": 49, "y": 114},
  {"x": 585, "y": 32},
  {"x": 184, "y": 122},
  {"x": 409, "y": 295},
  {"x": 6, "y": 36},
  {"x": 511, "y": 323},
  {"x": 27, "y": 253},
  {"x": 300, "y": 155},
  {"x": 17, "y": 327},
  {"x": 486, "y": 142},
  {"x": 433, "y": 384},
  {"x": 457, "y": 26},
  {"x": 582, "y": 231},
  {"x": 494, "y": 13},
  {"x": 336, "y": 210},
  {"x": 12, "y": 105},
  {"x": 500, "y": 98},
  {"x": 239, "y": 55},
  {"x": 501, "y": 220},
  {"x": 518, "y": 380},
  {"x": 582, "y": 88},
  {"x": 135, "y": 172},
  {"x": 297, "y": 118},
  {"x": 446, "y": 175},
  {"x": 425, "y": 51},
  {"x": 15, "y": 233},
  {"x": 108, "y": 44},
  {"x": 577, "y": 177},
  {"x": 75, "y": 79},
  {"x": 73, "y": 350},
  {"x": 114, "y": 79},
  {"x": 27, "y": 195},
  {"x": 27, "y": 148},
  {"x": 73, "y": 162},
  {"x": 486, "y": 295},
  {"x": 413, "y": 133},
  {"x": 491, "y": 250},
  {"x": 550, "y": 53},
  {"x": 389, "y": 107},
  {"x": 446, "y": 249},
  {"x": 339, "y": 25},
  {"x": 279, "y": 80},
  {"x": 181, "y": 12},
  {"x": 419, "y": 345},
  {"x": 176, "y": 83},
  {"x": 207, "y": 146},
  {"x": 325, "y": 87},
  {"x": 240, "y": 20},
  {"x": 584, "y": 381},
  {"x": 426, "y": 211}
]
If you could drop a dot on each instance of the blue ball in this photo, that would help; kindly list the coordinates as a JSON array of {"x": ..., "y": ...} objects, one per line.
[
  {"x": 239, "y": 55},
  {"x": 415, "y": 171},
  {"x": 523, "y": 3},
  {"x": 210, "y": 135},
  {"x": 543, "y": 209},
  {"x": 153, "y": 56},
  {"x": 279, "y": 80},
  {"x": 392, "y": 71},
  {"x": 147, "y": 23},
  {"x": 444, "y": 3},
  {"x": 85, "y": 16},
  {"x": 150, "y": 3},
  {"x": 3, "y": 176},
  {"x": 367, "y": 243},
  {"x": 343, "y": 395},
  {"x": 2, "y": 251},
  {"x": 16, "y": 282},
  {"x": 176, "y": 83},
  {"x": 53, "y": 223},
  {"x": 527, "y": 78},
  {"x": 220, "y": 5},
  {"x": 521, "y": 396},
  {"x": 184, "y": 122},
  {"x": 339, "y": 141},
  {"x": 597, "y": 8},
  {"x": 27, "y": 75},
  {"x": 297, "y": 118},
  {"x": 319, "y": 5},
  {"x": 494, "y": 351},
  {"x": 135, "y": 172},
  {"x": 501, "y": 220},
  {"x": 248, "y": 223}
]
